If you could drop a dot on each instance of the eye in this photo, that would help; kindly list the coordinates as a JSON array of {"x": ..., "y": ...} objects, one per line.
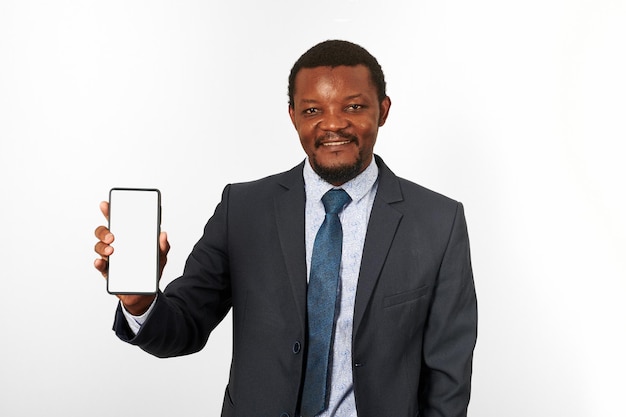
[
  {"x": 353, "y": 107},
  {"x": 311, "y": 110}
]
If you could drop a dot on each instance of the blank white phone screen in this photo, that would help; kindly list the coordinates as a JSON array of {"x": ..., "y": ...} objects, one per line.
[{"x": 134, "y": 220}]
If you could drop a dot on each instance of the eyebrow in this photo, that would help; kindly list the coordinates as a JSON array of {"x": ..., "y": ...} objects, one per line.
[{"x": 313, "y": 101}]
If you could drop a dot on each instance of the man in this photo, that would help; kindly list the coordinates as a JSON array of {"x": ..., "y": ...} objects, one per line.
[{"x": 401, "y": 327}]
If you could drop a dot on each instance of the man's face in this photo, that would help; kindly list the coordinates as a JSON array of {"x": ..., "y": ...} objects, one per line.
[{"x": 337, "y": 115}]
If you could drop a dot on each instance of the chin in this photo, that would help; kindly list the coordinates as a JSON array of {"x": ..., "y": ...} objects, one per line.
[{"x": 338, "y": 174}]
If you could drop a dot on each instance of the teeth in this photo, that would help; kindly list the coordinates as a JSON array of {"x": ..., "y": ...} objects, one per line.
[{"x": 336, "y": 143}]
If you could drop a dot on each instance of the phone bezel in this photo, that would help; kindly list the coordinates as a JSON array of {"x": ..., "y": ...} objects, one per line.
[{"x": 118, "y": 289}]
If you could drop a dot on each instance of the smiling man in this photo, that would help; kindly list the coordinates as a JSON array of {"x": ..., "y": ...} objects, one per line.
[{"x": 351, "y": 288}]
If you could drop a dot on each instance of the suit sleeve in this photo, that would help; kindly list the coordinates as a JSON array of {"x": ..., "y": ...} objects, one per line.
[
  {"x": 191, "y": 306},
  {"x": 451, "y": 330}
]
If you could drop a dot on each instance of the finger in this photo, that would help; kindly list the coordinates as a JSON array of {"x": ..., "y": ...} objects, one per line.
[
  {"x": 104, "y": 235},
  {"x": 103, "y": 249},
  {"x": 104, "y": 208},
  {"x": 164, "y": 248},
  {"x": 102, "y": 266},
  {"x": 164, "y": 245}
]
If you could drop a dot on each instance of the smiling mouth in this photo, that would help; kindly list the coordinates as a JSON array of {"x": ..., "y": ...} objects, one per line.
[
  {"x": 329, "y": 140},
  {"x": 343, "y": 142}
]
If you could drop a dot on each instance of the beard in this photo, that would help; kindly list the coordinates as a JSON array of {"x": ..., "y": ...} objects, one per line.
[{"x": 338, "y": 174}]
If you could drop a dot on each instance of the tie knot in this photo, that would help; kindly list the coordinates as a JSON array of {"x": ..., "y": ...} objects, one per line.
[{"x": 334, "y": 200}]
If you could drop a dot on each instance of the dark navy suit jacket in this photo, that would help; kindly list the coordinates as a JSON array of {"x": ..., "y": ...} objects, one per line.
[{"x": 415, "y": 310}]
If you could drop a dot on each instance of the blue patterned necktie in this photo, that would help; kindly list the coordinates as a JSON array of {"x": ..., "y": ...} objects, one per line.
[{"x": 321, "y": 303}]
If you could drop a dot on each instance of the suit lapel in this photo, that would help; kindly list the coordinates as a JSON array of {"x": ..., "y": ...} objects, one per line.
[
  {"x": 289, "y": 207},
  {"x": 382, "y": 226},
  {"x": 383, "y": 223}
]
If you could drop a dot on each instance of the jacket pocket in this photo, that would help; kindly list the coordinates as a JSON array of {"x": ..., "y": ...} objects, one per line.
[{"x": 405, "y": 297}]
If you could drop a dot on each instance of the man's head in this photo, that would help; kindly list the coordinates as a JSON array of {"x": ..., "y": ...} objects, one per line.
[{"x": 337, "y": 102}]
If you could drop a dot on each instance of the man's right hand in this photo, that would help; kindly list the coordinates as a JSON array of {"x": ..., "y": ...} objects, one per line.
[{"x": 134, "y": 304}]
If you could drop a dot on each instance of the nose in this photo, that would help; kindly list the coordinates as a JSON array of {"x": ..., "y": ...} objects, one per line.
[{"x": 333, "y": 121}]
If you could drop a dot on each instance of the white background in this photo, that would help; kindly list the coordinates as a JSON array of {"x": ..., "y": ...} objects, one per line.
[{"x": 514, "y": 108}]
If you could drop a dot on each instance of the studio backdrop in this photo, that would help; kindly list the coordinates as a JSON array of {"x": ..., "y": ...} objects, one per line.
[{"x": 515, "y": 109}]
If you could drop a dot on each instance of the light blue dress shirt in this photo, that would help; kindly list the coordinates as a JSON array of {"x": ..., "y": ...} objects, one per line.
[{"x": 354, "y": 219}]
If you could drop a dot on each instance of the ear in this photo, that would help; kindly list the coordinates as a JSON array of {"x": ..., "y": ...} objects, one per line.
[
  {"x": 292, "y": 115},
  {"x": 385, "y": 104}
]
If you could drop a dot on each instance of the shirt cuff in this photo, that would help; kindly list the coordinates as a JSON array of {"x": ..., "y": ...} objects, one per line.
[{"x": 135, "y": 322}]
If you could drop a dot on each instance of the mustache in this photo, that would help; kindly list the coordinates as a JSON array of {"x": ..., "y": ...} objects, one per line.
[{"x": 333, "y": 136}]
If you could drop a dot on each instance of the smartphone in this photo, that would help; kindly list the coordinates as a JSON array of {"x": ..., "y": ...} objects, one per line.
[{"x": 135, "y": 221}]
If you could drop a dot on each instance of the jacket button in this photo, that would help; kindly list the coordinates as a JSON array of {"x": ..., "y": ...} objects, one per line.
[
  {"x": 296, "y": 347},
  {"x": 284, "y": 415}
]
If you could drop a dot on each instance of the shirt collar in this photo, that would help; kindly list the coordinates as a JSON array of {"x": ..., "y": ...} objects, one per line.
[{"x": 315, "y": 187}]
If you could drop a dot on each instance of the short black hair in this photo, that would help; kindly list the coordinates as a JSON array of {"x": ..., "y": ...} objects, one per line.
[{"x": 334, "y": 53}]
